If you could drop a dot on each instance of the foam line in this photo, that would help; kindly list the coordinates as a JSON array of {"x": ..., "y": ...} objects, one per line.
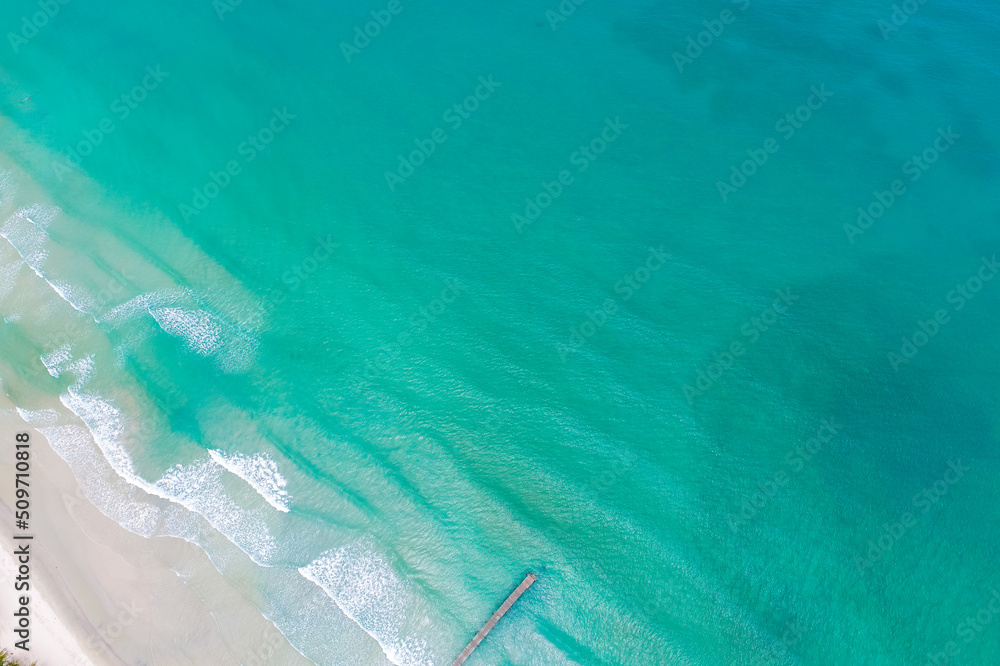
[
  {"x": 197, "y": 487},
  {"x": 367, "y": 590},
  {"x": 260, "y": 471}
]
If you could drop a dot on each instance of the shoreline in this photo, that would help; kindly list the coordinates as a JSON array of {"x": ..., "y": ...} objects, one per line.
[
  {"x": 110, "y": 552},
  {"x": 103, "y": 596}
]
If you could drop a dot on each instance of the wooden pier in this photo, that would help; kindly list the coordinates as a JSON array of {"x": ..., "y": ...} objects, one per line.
[{"x": 492, "y": 622}]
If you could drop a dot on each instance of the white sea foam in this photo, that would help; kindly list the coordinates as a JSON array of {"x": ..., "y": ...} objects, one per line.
[
  {"x": 106, "y": 423},
  {"x": 8, "y": 276},
  {"x": 107, "y": 426},
  {"x": 220, "y": 324},
  {"x": 178, "y": 312},
  {"x": 196, "y": 487},
  {"x": 8, "y": 186},
  {"x": 55, "y": 359},
  {"x": 365, "y": 587},
  {"x": 39, "y": 417},
  {"x": 73, "y": 442},
  {"x": 78, "y": 298},
  {"x": 126, "y": 507},
  {"x": 94, "y": 435},
  {"x": 195, "y": 327},
  {"x": 239, "y": 354},
  {"x": 261, "y": 472},
  {"x": 144, "y": 303},
  {"x": 25, "y": 231}
]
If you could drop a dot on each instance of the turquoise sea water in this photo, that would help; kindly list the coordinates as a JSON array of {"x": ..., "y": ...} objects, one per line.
[{"x": 379, "y": 400}]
